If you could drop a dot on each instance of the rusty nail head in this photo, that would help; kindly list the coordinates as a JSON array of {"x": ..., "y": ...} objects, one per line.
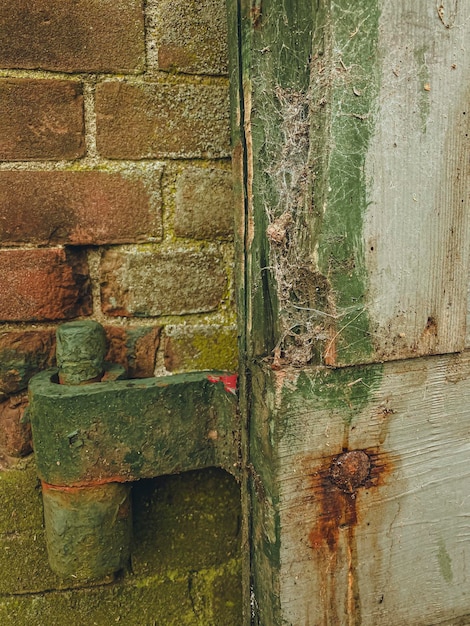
[{"x": 350, "y": 470}]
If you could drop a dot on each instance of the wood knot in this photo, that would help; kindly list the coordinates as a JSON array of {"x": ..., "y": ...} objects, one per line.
[{"x": 350, "y": 470}]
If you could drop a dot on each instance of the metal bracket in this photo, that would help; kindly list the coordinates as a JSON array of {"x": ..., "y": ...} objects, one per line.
[{"x": 92, "y": 440}]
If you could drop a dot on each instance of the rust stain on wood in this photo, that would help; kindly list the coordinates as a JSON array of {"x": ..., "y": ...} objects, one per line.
[
  {"x": 256, "y": 13},
  {"x": 334, "y": 490}
]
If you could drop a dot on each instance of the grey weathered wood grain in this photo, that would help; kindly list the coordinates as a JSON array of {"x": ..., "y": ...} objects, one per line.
[
  {"x": 404, "y": 559},
  {"x": 416, "y": 229}
]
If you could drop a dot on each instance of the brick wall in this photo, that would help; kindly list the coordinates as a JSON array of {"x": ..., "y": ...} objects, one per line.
[{"x": 115, "y": 205}]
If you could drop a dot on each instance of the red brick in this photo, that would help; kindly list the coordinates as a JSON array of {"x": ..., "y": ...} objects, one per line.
[
  {"x": 15, "y": 436},
  {"x": 44, "y": 284},
  {"x": 151, "y": 283},
  {"x": 72, "y": 35},
  {"x": 24, "y": 353},
  {"x": 134, "y": 347},
  {"x": 41, "y": 119},
  {"x": 204, "y": 203},
  {"x": 154, "y": 120},
  {"x": 79, "y": 208},
  {"x": 191, "y": 36}
]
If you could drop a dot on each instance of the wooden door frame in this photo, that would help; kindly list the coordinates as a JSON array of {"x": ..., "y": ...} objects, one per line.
[{"x": 326, "y": 391}]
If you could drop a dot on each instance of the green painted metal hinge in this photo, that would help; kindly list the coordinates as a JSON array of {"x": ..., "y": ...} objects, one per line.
[{"x": 94, "y": 433}]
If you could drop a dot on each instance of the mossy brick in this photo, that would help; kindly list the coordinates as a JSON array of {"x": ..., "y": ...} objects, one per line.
[
  {"x": 41, "y": 119},
  {"x": 25, "y": 565},
  {"x": 155, "y": 120},
  {"x": 15, "y": 432},
  {"x": 200, "y": 347},
  {"x": 195, "y": 582},
  {"x": 21, "y": 507},
  {"x": 23, "y": 558},
  {"x": 146, "y": 283},
  {"x": 79, "y": 207},
  {"x": 227, "y": 596},
  {"x": 189, "y": 36},
  {"x": 24, "y": 353},
  {"x": 167, "y": 602},
  {"x": 134, "y": 347},
  {"x": 72, "y": 35},
  {"x": 191, "y": 521},
  {"x": 44, "y": 284},
  {"x": 204, "y": 203},
  {"x": 220, "y": 592}
]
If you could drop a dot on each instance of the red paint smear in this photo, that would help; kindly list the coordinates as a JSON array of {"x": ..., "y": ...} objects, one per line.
[
  {"x": 229, "y": 380},
  {"x": 83, "y": 484}
]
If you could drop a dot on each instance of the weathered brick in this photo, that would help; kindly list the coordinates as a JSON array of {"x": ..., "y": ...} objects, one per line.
[
  {"x": 148, "y": 120},
  {"x": 72, "y": 35},
  {"x": 205, "y": 501},
  {"x": 21, "y": 509},
  {"x": 150, "y": 283},
  {"x": 79, "y": 208},
  {"x": 15, "y": 436},
  {"x": 24, "y": 353},
  {"x": 43, "y": 284},
  {"x": 190, "y": 35},
  {"x": 199, "y": 347},
  {"x": 198, "y": 514},
  {"x": 135, "y": 348},
  {"x": 41, "y": 119},
  {"x": 204, "y": 207}
]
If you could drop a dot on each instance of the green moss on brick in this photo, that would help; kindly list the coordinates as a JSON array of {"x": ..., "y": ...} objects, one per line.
[
  {"x": 186, "y": 558},
  {"x": 20, "y": 499},
  {"x": 190, "y": 348},
  {"x": 187, "y": 521}
]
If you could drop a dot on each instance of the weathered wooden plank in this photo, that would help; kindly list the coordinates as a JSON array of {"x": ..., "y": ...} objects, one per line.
[
  {"x": 356, "y": 171},
  {"x": 275, "y": 42},
  {"x": 416, "y": 227},
  {"x": 391, "y": 551}
]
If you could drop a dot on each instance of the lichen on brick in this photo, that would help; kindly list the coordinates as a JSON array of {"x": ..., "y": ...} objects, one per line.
[
  {"x": 152, "y": 282},
  {"x": 187, "y": 36},
  {"x": 200, "y": 347},
  {"x": 204, "y": 207}
]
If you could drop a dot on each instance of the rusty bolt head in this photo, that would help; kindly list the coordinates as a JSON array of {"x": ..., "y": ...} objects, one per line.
[{"x": 350, "y": 470}]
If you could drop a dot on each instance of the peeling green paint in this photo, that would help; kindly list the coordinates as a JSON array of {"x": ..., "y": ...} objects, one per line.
[
  {"x": 354, "y": 74},
  {"x": 345, "y": 390},
  {"x": 311, "y": 85},
  {"x": 445, "y": 562}
]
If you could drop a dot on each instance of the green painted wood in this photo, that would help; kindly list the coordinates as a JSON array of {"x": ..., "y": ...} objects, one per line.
[
  {"x": 356, "y": 178},
  {"x": 240, "y": 177},
  {"x": 131, "y": 429}
]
